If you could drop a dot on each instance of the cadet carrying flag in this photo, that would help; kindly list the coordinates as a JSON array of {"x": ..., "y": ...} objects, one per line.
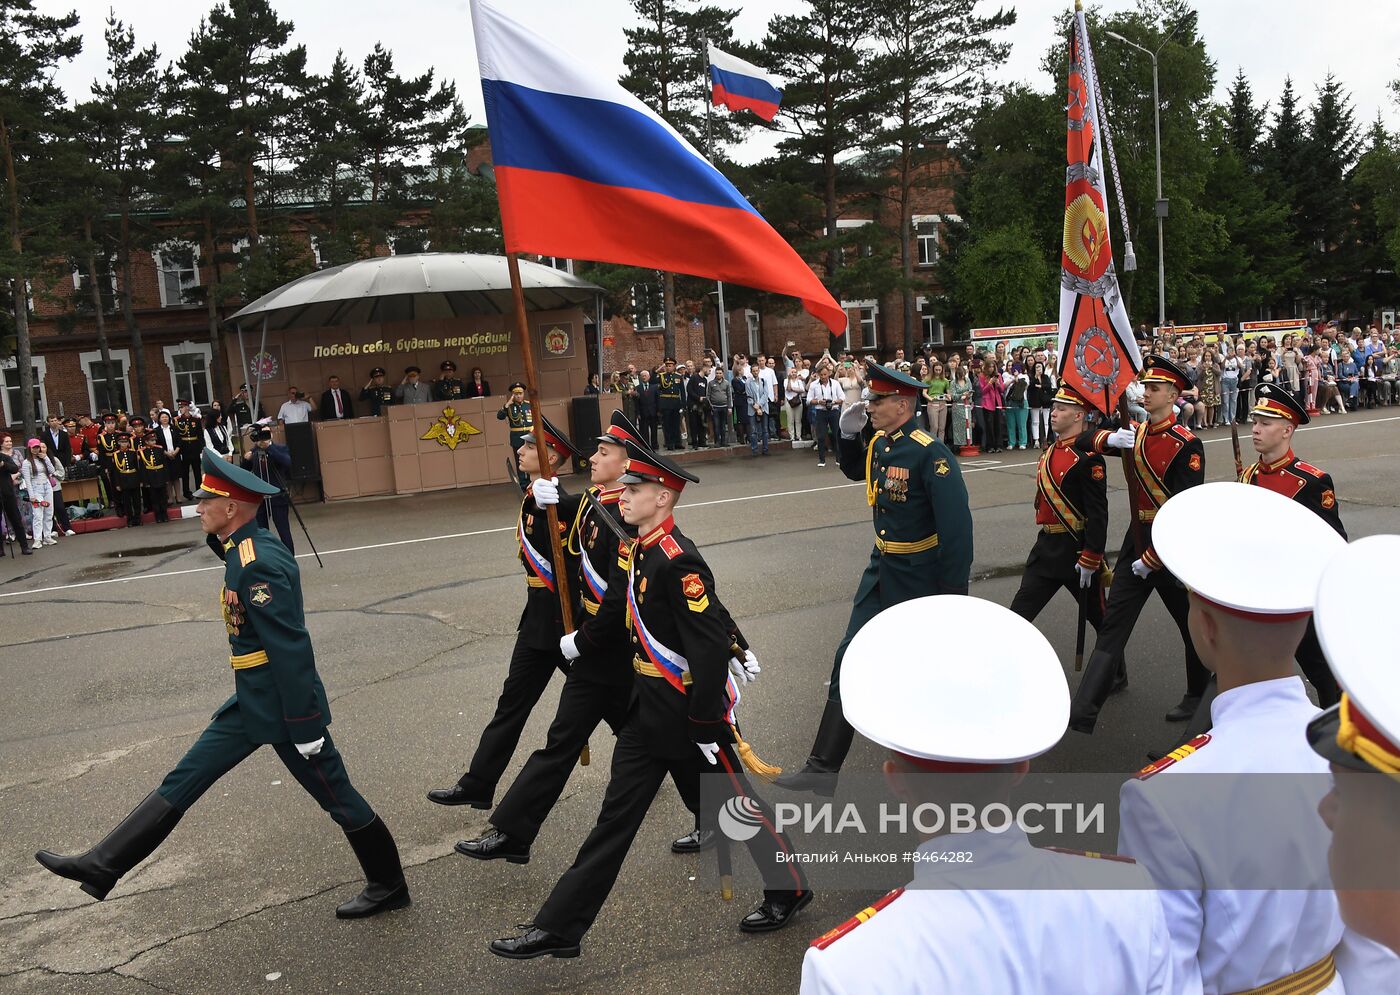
[
  {"x": 742, "y": 86},
  {"x": 585, "y": 170},
  {"x": 1098, "y": 355}
]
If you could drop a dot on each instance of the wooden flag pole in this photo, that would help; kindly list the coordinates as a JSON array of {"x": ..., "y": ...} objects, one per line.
[{"x": 532, "y": 392}]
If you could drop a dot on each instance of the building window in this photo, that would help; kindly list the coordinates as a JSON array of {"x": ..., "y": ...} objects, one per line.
[
  {"x": 755, "y": 334},
  {"x": 110, "y": 392},
  {"x": 868, "y": 336},
  {"x": 407, "y": 241},
  {"x": 10, "y": 396},
  {"x": 106, "y": 286},
  {"x": 189, "y": 371},
  {"x": 559, "y": 263},
  {"x": 933, "y": 330},
  {"x": 177, "y": 265},
  {"x": 648, "y": 306},
  {"x": 927, "y": 236}
]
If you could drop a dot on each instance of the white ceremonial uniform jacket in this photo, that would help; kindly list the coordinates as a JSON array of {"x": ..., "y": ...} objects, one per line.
[
  {"x": 1248, "y": 832},
  {"x": 946, "y": 935}
]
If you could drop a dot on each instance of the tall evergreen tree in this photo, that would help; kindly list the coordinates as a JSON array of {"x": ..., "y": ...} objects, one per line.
[
  {"x": 1375, "y": 184},
  {"x": 829, "y": 105},
  {"x": 938, "y": 56},
  {"x": 32, "y": 45},
  {"x": 329, "y": 158},
  {"x": 1325, "y": 200},
  {"x": 123, "y": 127},
  {"x": 665, "y": 62},
  {"x": 1244, "y": 121}
]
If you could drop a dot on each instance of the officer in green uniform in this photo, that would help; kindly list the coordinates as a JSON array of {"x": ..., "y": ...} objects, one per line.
[
  {"x": 278, "y": 699},
  {"x": 670, "y": 393},
  {"x": 517, "y": 412},
  {"x": 377, "y": 393},
  {"x": 447, "y": 387},
  {"x": 923, "y": 536}
]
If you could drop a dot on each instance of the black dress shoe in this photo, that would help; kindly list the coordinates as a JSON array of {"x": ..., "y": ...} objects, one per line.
[
  {"x": 1184, "y": 709},
  {"x": 774, "y": 913},
  {"x": 535, "y": 943},
  {"x": 694, "y": 841},
  {"x": 1120, "y": 684},
  {"x": 495, "y": 845},
  {"x": 457, "y": 795}
]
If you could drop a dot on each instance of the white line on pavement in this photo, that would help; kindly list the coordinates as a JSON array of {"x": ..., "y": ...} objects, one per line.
[{"x": 511, "y": 528}]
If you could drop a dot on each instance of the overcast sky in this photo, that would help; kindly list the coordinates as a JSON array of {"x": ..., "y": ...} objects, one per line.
[{"x": 1357, "y": 40}]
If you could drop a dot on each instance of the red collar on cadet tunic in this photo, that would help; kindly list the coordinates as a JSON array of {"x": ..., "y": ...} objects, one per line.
[
  {"x": 1158, "y": 427},
  {"x": 1278, "y": 464},
  {"x": 656, "y": 534}
]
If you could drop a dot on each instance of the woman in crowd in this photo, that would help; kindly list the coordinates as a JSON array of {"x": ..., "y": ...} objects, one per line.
[
  {"x": 1349, "y": 379},
  {"x": 851, "y": 379},
  {"x": 991, "y": 407},
  {"x": 936, "y": 394},
  {"x": 1329, "y": 396},
  {"x": 614, "y": 383},
  {"x": 36, "y": 470},
  {"x": 1371, "y": 372},
  {"x": 164, "y": 428},
  {"x": 216, "y": 434},
  {"x": 1210, "y": 391},
  {"x": 794, "y": 395},
  {"x": 959, "y": 398},
  {"x": 1290, "y": 362},
  {"x": 477, "y": 385},
  {"x": 1040, "y": 395},
  {"x": 1248, "y": 372},
  {"x": 1312, "y": 374},
  {"x": 1230, "y": 383},
  {"x": 1391, "y": 376},
  {"x": 1016, "y": 386}
]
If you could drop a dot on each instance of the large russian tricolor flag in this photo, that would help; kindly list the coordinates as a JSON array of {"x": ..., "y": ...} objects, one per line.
[
  {"x": 742, "y": 86},
  {"x": 585, "y": 170}
]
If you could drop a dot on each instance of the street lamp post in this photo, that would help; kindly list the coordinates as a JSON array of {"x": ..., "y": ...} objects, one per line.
[{"x": 1161, "y": 203}]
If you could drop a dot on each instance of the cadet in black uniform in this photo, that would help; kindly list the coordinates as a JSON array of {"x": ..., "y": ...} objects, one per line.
[
  {"x": 154, "y": 475},
  {"x": 598, "y": 686},
  {"x": 189, "y": 439},
  {"x": 536, "y": 655},
  {"x": 1071, "y": 508},
  {"x": 447, "y": 387},
  {"x": 672, "y": 402},
  {"x": 278, "y": 700},
  {"x": 376, "y": 393},
  {"x": 681, "y": 723},
  {"x": 126, "y": 471},
  {"x": 106, "y": 446}
]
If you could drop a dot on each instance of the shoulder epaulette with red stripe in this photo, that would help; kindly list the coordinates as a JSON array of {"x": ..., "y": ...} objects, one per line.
[
  {"x": 1180, "y": 753},
  {"x": 832, "y": 935},
  {"x": 1308, "y": 468},
  {"x": 670, "y": 547},
  {"x": 1182, "y": 432},
  {"x": 1119, "y": 857}
]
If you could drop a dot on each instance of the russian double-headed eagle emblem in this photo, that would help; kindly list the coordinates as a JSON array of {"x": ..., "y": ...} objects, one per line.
[{"x": 449, "y": 429}]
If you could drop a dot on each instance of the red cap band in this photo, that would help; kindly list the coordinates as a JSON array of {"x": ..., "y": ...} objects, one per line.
[{"x": 226, "y": 489}]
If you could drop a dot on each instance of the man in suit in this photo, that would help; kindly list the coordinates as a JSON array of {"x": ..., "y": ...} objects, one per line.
[
  {"x": 697, "y": 405},
  {"x": 278, "y": 700},
  {"x": 335, "y": 401},
  {"x": 59, "y": 443},
  {"x": 648, "y": 407}
]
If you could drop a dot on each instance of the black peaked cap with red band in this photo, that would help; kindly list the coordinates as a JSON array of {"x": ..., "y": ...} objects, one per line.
[
  {"x": 556, "y": 440},
  {"x": 1160, "y": 369},
  {"x": 620, "y": 430},
  {"x": 1272, "y": 401},
  {"x": 647, "y": 467}
]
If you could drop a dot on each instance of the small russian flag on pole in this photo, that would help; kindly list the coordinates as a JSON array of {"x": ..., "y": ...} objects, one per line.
[{"x": 742, "y": 86}]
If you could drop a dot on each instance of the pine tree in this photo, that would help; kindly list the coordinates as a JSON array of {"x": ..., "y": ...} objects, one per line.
[
  {"x": 328, "y": 159},
  {"x": 1376, "y": 185},
  {"x": 122, "y": 126},
  {"x": 1245, "y": 121},
  {"x": 937, "y": 59},
  {"x": 1325, "y": 200},
  {"x": 665, "y": 62},
  {"x": 32, "y": 45}
]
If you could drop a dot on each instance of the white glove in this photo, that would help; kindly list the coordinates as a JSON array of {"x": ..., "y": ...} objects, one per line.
[
  {"x": 1142, "y": 570},
  {"x": 1086, "y": 576},
  {"x": 1123, "y": 438},
  {"x": 92, "y": 457},
  {"x": 309, "y": 750},
  {"x": 852, "y": 419},
  {"x": 746, "y": 669},
  {"x": 568, "y": 645},
  {"x": 545, "y": 491},
  {"x": 711, "y": 751}
]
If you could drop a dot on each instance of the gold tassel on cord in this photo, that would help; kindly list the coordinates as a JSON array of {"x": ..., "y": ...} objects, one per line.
[
  {"x": 1105, "y": 576},
  {"x": 750, "y": 760}
]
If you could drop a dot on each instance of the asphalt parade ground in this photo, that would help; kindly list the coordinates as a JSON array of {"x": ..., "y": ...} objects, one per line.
[{"x": 114, "y": 658}]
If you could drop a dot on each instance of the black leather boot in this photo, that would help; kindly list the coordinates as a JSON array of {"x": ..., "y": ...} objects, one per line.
[
  {"x": 829, "y": 751},
  {"x": 775, "y": 912},
  {"x": 459, "y": 794},
  {"x": 385, "y": 887},
  {"x": 534, "y": 942},
  {"x": 135, "y": 838}
]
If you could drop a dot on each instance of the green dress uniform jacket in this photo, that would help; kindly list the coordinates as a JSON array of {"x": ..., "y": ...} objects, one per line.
[
  {"x": 669, "y": 391},
  {"x": 379, "y": 397},
  {"x": 276, "y": 688}
]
